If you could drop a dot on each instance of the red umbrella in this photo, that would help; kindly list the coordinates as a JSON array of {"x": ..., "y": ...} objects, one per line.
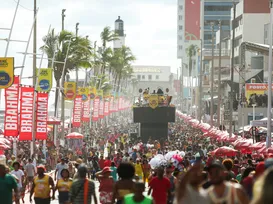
[
  {"x": 257, "y": 145},
  {"x": 224, "y": 151},
  {"x": 53, "y": 121},
  {"x": 74, "y": 135},
  {"x": 243, "y": 144}
]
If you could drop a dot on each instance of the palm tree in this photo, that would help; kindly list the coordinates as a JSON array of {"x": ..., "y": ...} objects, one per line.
[
  {"x": 121, "y": 63},
  {"x": 78, "y": 54},
  {"x": 191, "y": 51},
  {"x": 107, "y": 35}
]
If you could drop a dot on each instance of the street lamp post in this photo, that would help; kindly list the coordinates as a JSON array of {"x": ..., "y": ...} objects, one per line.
[
  {"x": 269, "y": 103},
  {"x": 200, "y": 82},
  {"x": 232, "y": 71},
  {"x": 219, "y": 77},
  {"x": 212, "y": 74},
  {"x": 63, "y": 16}
]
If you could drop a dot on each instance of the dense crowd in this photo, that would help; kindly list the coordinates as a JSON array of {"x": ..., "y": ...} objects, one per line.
[{"x": 129, "y": 171}]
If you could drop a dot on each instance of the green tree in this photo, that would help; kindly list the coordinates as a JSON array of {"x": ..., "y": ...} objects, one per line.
[
  {"x": 107, "y": 35},
  {"x": 191, "y": 51},
  {"x": 122, "y": 65}
]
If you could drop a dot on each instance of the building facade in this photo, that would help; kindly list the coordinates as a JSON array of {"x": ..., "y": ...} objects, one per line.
[{"x": 153, "y": 77}]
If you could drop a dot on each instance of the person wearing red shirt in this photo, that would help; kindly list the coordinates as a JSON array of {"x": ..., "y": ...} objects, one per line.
[
  {"x": 107, "y": 162},
  {"x": 101, "y": 162},
  {"x": 161, "y": 187}
]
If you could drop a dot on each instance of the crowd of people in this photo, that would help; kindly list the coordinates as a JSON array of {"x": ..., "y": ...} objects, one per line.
[{"x": 122, "y": 167}]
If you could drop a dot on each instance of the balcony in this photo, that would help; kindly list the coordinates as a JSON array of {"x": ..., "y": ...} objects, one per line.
[{"x": 224, "y": 52}]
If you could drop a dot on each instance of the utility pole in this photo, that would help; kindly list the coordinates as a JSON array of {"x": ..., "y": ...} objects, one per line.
[
  {"x": 219, "y": 77},
  {"x": 181, "y": 86},
  {"x": 269, "y": 103},
  {"x": 200, "y": 83},
  {"x": 212, "y": 75},
  {"x": 63, "y": 16},
  {"x": 232, "y": 71},
  {"x": 34, "y": 43},
  {"x": 32, "y": 146}
]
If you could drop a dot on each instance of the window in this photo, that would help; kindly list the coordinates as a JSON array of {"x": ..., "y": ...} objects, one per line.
[
  {"x": 180, "y": 17},
  {"x": 138, "y": 77},
  {"x": 180, "y": 27},
  {"x": 143, "y": 76},
  {"x": 157, "y": 76},
  {"x": 180, "y": 7},
  {"x": 180, "y": 37},
  {"x": 180, "y": 47},
  {"x": 150, "y": 77}
]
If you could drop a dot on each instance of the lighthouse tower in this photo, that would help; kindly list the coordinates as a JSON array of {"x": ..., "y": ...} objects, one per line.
[{"x": 119, "y": 29}]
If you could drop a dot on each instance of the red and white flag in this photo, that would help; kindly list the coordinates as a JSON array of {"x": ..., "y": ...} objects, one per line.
[
  {"x": 11, "y": 126},
  {"x": 86, "y": 111},
  {"x": 106, "y": 108},
  {"x": 77, "y": 111},
  {"x": 101, "y": 109},
  {"x": 41, "y": 116},
  {"x": 26, "y": 113},
  {"x": 96, "y": 106}
]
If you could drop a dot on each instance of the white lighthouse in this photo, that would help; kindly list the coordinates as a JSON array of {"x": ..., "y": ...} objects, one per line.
[{"x": 119, "y": 29}]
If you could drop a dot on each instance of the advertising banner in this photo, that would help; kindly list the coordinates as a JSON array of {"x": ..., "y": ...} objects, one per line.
[
  {"x": 92, "y": 92},
  {"x": 11, "y": 109},
  {"x": 111, "y": 106},
  {"x": 256, "y": 88},
  {"x": 106, "y": 107},
  {"x": 70, "y": 90},
  {"x": 6, "y": 72},
  {"x": 77, "y": 112},
  {"x": 26, "y": 113},
  {"x": 41, "y": 116},
  {"x": 84, "y": 92},
  {"x": 86, "y": 111},
  {"x": 101, "y": 109},
  {"x": 119, "y": 103},
  {"x": 153, "y": 101},
  {"x": 44, "y": 79},
  {"x": 192, "y": 20},
  {"x": 96, "y": 106}
]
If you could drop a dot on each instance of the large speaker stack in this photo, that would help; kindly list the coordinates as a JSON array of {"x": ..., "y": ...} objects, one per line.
[{"x": 154, "y": 122}]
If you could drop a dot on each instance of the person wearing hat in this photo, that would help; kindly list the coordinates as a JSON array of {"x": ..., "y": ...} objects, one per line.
[
  {"x": 41, "y": 187},
  {"x": 21, "y": 178},
  {"x": 222, "y": 191},
  {"x": 106, "y": 185},
  {"x": 63, "y": 186},
  {"x": 60, "y": 166}
]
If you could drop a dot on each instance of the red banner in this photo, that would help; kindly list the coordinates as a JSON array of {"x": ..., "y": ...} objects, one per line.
[
  {"x": 26, "y": 113},
  {"x": 11, "y": 109},
  {"x": 101, "y": 109},
  {"x": 96, "y": 105},
  {"x": 106, "y": 108},
  {"x": 86, "y": 111},
  {"x": 77, "y": 111},
  {"x": 111, "y": 107},
  {"x": 119, "y": 103},
  {"x": 41, "y": 116}
]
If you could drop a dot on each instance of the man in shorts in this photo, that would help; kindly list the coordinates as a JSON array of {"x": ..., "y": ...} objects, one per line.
[{"x": 30, "y": 173}]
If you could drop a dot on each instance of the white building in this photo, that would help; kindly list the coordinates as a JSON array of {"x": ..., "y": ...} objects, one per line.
[
  {"x": 119, "y": 30},
  {"x": 153, "y": 77}
]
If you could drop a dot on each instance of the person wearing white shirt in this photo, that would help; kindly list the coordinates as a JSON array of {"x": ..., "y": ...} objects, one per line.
[{"x": 19, "y": 174}]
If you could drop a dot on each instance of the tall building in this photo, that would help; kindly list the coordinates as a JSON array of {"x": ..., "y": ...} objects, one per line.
[
  {"x": 196, "y": 16},
  {"x": 119, "y": 30}
]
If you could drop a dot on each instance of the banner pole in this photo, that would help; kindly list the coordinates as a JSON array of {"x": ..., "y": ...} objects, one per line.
[{"x": 34, "y": 107}]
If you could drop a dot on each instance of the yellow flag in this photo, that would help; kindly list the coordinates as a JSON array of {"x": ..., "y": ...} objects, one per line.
[
  {"x": 6, "y": 72},
  {"x": 70, "y": 90},
  {"x": 44, "y": 79},
  {"x": 153, "y": 101},
  {"x": 84, "y": 92},
  {"x": 93, "y": 92}
]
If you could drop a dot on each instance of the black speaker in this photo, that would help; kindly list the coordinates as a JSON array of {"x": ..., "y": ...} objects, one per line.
[
  {"x": 157, "y": 115},
  {"x": 154, "y": 131}
]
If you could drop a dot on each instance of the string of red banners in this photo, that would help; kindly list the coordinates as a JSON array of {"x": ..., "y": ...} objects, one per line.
[
  {"x": 18, "y": 116},
  {"x": 101, "y": 109}
]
